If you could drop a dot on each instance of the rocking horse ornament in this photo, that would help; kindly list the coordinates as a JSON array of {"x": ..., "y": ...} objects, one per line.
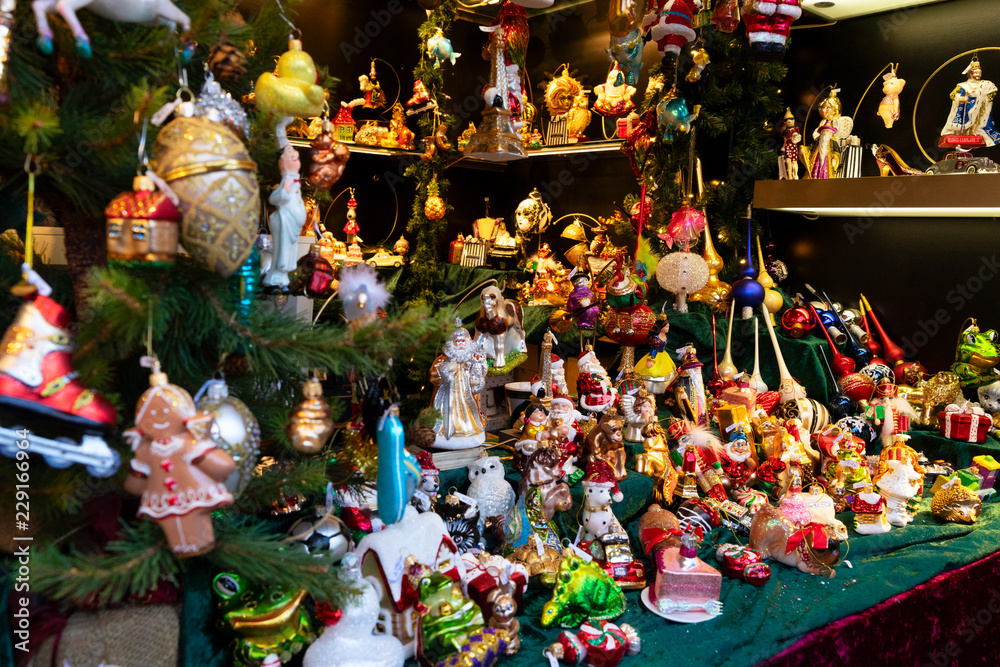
[{"x": 152, "y": 12}]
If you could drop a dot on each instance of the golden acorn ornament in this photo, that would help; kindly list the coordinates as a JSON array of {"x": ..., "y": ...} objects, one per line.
[
  {"x": 434, "y": 207},
  {"x": 310, "y": 425}
]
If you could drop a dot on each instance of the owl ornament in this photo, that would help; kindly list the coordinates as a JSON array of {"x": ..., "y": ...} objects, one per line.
[{"x": 491, "y": 491}]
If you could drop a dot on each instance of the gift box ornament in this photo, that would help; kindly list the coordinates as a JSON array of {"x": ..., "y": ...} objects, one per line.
[
  {"x": 485, "y": 573},
  {"x": 988, "y": 469},
  {"x": 965, "y": 423}
]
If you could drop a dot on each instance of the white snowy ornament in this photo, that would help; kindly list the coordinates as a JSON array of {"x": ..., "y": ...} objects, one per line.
[
  {"x": 489, "y": 489},
  {"x": 682, "y": 273},
  {"x": 352, "y": 642}
]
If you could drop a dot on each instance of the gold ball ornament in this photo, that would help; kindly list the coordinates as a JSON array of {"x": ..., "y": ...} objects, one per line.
[
  {"x": 310, "y": 425},
  {"x": 234, "y": 430},
  {"x": 211, "y": 171}
]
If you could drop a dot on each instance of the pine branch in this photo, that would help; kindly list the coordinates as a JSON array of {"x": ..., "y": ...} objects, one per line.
[{"x": 131, "y": 566}]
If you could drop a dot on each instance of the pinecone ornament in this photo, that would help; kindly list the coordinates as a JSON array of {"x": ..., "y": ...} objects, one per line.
[
  {"x": 434, "y": 208},
  {"x": 421, "y": 436},
  {"x": 226, "y": 62}
]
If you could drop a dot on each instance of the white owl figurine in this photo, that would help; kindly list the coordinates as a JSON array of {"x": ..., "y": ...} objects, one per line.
[{"x": 494, "y": 494}]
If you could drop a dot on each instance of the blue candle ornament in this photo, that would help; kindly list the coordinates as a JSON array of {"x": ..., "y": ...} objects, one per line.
[{"x": 398, "y": 470}]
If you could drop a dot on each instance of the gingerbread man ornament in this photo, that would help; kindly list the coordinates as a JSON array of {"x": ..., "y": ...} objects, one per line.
[{"x": 177, "y": 468}]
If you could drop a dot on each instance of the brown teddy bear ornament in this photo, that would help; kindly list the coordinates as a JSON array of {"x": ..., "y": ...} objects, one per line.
[{"x": 177, "y": 468}]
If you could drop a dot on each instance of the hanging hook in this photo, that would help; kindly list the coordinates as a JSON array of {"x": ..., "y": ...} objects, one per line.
[
  {"x": 295, "y": 33},
  {"x": 143, "y": 158}
]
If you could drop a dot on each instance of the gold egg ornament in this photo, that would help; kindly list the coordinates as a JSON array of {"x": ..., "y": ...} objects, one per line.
[{"x": 211, "y": 172}]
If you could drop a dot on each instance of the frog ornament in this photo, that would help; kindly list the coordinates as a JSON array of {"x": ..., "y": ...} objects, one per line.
[
  {"x": 976, "y": 356},
  {"x": 264, "y": 619}
]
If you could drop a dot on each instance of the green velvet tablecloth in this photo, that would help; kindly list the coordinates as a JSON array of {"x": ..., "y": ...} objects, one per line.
[{"x": 759, "y": 622}]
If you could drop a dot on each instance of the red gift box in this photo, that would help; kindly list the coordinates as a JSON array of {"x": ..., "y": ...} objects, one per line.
[
  {"x": 745, "y": 396},
  {"x": 481, "y": 579},
  {"x": 964, "y": 423},
  {"x": 743, "y": 564}
]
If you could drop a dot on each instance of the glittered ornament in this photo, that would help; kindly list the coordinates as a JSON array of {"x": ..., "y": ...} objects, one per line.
[
  {"x": 857, "y": 386},
  {"x": 584, "y": 592},
  {"x": 234, "y": 430},
  {"x": 219, "y": 106},
  {"x": 310, "y": 425},
  {"x": 143, "y": 225},
  {"x": 209, "y": 169},
  {"x": 682, "y": 273},
  {"x": 329, "y": 158},
  {"x": 434, "y": 207}
]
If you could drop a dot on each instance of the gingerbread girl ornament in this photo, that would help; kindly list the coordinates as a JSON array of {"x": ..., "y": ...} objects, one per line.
[{"x": 177, "y": 468}]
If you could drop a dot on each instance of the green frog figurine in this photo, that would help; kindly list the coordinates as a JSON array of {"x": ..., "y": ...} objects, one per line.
[
  {"x": 264, "y": 620},
  {"x": 976, "y": 356}
]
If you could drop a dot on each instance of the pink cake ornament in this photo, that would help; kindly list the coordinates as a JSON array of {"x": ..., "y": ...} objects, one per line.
[{"x": 686, "y": 589}]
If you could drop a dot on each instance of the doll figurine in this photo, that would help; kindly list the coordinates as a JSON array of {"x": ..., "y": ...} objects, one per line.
[
  {"x": 972, "y": 107},
  {"x": 582, "y": 302},
  {"x": 657, "y": 366},
  {"x": 888, "y": 108},
  {"x": 791, "y": 138},
  {"x": 822, "y": 159},
  {"x": 177, "y": 469},
  {"x": 287, "y": 219}
]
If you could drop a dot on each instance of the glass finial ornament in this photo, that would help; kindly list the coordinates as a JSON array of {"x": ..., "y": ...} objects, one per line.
[
  {"x": 715, "y": 293},
  {"x": 234, "y": 430},
  {"x": 747, "y": 292}
]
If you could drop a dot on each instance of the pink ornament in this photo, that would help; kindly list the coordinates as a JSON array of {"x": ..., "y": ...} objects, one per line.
[{"x": 686, "y": 225}]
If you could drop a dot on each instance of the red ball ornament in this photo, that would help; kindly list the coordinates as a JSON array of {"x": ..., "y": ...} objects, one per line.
[
  {"x": 797, "y": 321},
  {"x": 857, "y": 386}
]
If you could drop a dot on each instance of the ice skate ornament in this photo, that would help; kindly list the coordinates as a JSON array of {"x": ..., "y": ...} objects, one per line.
[
  {"x": 38, "y": 382},
  {"x": 153, "y": 12}
]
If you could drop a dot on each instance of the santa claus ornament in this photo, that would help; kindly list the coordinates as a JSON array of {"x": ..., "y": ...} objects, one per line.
[
  {"x": 769, "y": 23},
  {"x": 669, "y": 24},
  {"x": 177, "y": 468}
]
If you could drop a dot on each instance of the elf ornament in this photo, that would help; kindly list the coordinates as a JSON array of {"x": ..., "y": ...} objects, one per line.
[
  {"x": 177, "y": 468},
  {"x": 310, "y": 425},
  {"x": 234, "y": 429}
]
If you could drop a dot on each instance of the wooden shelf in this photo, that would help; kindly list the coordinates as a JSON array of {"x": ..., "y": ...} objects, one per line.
[
  {"x": 941, "y": 196},
  {"x": 603, "y": 148}
]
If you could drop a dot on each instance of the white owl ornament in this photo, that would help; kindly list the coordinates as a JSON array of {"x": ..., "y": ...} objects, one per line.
[{"x": 491, "y": 491}]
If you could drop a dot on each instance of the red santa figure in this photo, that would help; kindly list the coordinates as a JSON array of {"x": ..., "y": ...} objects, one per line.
[
  {"x": 769, "y": 22},
  {"x": 669, "y": 24},
  {"x": 562, "y": 430},
  {"x": 603, "y": 645},
  {"x": 594, "y": 384},
  {"x": 700, "y": 464}
]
